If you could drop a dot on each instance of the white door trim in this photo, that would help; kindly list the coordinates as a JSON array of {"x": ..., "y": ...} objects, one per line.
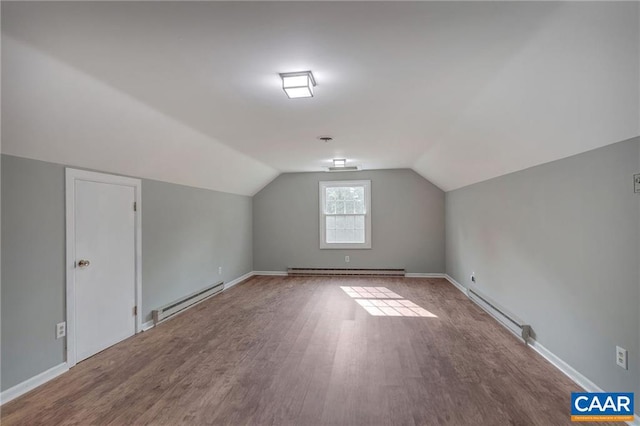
[{"x": 71, "y": 176}]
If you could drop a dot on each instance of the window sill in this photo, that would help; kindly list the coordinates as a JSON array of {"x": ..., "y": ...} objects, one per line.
[{"x": 345, "y": 247}]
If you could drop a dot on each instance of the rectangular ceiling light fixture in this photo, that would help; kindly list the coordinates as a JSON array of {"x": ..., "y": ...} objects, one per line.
[
  {"x": 298, "y": 84},
  {"x": 340, "y": 165},
  {"x": 344, "y": 169}
]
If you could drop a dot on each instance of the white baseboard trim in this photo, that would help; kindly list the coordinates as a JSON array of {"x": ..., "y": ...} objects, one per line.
[
  {"x": 32, "y": 383},
  {"x": 147, "y": 325},
  {"x": 568, "y": 370},
  {"x": 238, "y": 280},
  {"x": 45, "y": 376},
  {"x": 271, "y": 273},
  {"x": 581, "y": 380},
  {"x": 422, "y": 275},
  {"x": 556, "y": 361},
  {"x": 572, "y": 373},
  {"x": 457, "y": 284},
  {"x": 577, "y": 377}
]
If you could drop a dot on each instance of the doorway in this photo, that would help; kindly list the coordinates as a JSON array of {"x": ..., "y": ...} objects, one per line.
[{"x": 103, "y": 261}]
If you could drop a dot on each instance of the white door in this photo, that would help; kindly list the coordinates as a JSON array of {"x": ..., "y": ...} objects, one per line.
[{"x": 104, "y": 267}]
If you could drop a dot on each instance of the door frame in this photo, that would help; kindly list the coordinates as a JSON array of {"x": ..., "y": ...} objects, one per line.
[{"x": 71, "y": 176}]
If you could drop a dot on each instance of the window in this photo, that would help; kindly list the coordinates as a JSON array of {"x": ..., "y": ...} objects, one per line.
[{"x": 345, "y": 214}]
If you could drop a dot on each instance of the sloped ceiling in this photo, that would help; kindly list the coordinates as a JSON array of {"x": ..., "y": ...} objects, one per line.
[{"x": 189, "y": 92}]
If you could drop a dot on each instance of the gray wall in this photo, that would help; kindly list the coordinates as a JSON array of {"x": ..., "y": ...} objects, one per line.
[
  {"x": 186, "y": 234},
  {"x": 407, "y": 219},
  {"x": 33, "y": 235},
  {"x": 558, "y": 246}
]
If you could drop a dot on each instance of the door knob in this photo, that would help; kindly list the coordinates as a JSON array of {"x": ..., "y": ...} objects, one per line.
[{"x": 82, "y": 263}]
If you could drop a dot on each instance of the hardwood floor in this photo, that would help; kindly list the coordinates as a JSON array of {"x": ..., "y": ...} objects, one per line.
[{"x": 301, "y": 351}]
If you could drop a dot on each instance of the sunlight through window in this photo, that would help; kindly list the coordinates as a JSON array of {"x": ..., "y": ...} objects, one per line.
[{"x": 382, "y": 302}]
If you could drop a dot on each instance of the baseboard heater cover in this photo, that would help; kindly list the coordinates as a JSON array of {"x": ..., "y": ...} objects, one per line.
[
  {"x": 513, "y": 324},
  {"x": 174, "y": 307},
  {"x": 346, "y": 272}
]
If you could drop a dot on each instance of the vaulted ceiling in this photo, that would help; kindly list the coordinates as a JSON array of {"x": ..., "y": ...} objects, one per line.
[{"x": 189, "y": 92}]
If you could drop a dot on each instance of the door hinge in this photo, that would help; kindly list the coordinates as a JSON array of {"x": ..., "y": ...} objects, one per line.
[
  {"x": 135, "y": 310},
  {"x": 135, "y": 206}
]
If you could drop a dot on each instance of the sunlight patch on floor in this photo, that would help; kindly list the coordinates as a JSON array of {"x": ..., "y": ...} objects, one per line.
[
  {"x": 382, "y": 302},
  {"x": 370, "y": 292}
]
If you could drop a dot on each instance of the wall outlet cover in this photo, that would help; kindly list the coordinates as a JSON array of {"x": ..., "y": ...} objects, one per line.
[
  {"x": 61, "y": 330},
  {"x": 347, "y": 259},
  {"x": 621, "y": 357}
]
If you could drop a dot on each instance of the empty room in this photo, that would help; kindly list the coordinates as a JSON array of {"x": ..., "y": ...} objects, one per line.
[{"x": 320, "y": 213}]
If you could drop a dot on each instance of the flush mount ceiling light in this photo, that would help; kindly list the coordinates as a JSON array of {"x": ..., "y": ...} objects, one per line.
[
  {"x": 340, "y": 165},
  {"x": 298, "y": 84}
]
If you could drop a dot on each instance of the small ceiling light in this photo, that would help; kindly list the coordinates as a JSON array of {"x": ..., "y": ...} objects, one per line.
[
  {"x": 298, "y": 84},
  {"x": 340, "y": 165}
]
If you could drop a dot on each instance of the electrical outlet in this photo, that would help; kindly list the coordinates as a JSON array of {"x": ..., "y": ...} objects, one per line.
[
  {"x": 219, "y": 270},
  {"x": 473, "y": 277},
  {"x": 61, "y": 330},
  {"x": 636, "y": 183},
  {"x": 621, "y": 357},
  {"x": 347, "y": 259}
]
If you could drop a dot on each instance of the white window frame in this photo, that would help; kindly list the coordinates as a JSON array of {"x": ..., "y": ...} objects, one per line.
[{"x": 323, "y": 185}]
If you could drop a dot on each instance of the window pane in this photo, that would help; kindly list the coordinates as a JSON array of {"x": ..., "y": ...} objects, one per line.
[
  {"x": 331, "y": 207},
  {"x": 348, "y": 193},
  {"x": 359, "y": 192},
  {"x": 359, "y": 207},
  {"x": 349, "y": 206},
  {"x": 331, "y": 235},
  {"x": 340, "y": 207},
  {"x": 359, "y": 222},
  {"x": 348, "y": 235},
  {"x": 331, "y": 222},
  {"x": 331, "y": 194},
  {"x": 349, "y": 222},
  {"x": 339, "y": 222},
  {"x": 359, "y": 235},
  {"x": 340, "y": 192}
]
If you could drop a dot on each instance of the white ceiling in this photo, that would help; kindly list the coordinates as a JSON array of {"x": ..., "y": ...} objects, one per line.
[{"x": 189, "y": 92}]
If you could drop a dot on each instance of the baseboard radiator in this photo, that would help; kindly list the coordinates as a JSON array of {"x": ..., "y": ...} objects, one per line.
[
  {"x": 514, "y": 324},
  {"x": 164, "y": 312},
  {"x": 328, "y": 272}
]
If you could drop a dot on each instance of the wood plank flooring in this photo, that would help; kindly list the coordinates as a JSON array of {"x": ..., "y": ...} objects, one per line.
[{"x": 300, "y": 351}]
